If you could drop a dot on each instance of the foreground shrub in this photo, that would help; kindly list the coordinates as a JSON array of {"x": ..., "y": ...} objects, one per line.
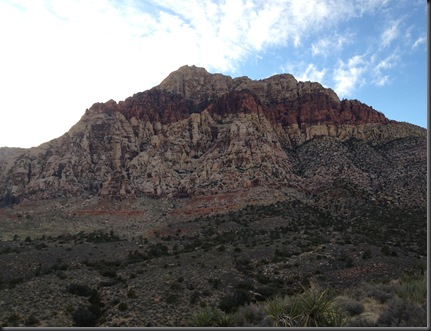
[
  {"x": 380, "y": 292},
  {"x": 277, "y": 311},
  {"x": 252, "y": 315},
  {"x": 84, "y": 317},
  {"x": 315, "y": 308},
  {"x": 402, "y": 313},
  {"x": 79, "y": 289},
  {"x": 350, "y": 306},
  {"x": 230, "y": 303},
  {"x": 413, "y": 288},
  {"x": 312, "y": 308},
  {"x": 212, "y": 317}
]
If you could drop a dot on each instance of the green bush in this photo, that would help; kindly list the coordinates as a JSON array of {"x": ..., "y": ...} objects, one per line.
[
  {"x": 171, "y": 298},
  {"x": 79, "y": 289},
  {"x": 211, "y": 317},
  {"x": 402, "y": 313},
  {"x": 84, "y": 317},
  {"x": 367, "y": 254},
  {"x": 276, "y": 311},
  {"x": 31, "y": 321},
  {"x": 413, "y": 288},
  {"x": 12, "y": 320},
  {"x": 381, "y": 292},
  {"x": 349, "y": 305},
  {"x": 386, "y": 250},
  {"x": 312, "y": 308},
  {"x": 131, "y": 294},
  {"x": 230, "y": 303},
  {"x": 123, "y": 306}
]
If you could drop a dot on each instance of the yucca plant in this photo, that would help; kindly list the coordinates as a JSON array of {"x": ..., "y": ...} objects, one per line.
[
  {"x": 315, "y": 308},
  {"x": 276, "y": 310},
  {"x": 203, "y": 318},
  {"x": 225, "y": 320},
  {"x": 212, "y": 317}
]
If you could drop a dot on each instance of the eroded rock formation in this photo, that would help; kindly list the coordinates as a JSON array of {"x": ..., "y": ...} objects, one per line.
[{"x": 199, "y": 133}]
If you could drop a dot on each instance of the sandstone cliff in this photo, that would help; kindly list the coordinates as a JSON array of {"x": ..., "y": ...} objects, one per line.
[{"x": 199, "y": 133}]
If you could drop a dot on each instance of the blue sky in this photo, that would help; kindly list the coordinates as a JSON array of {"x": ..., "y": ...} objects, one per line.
[{"x": 58, "y": 57}]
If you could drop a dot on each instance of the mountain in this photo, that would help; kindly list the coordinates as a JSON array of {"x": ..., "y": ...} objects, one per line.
[
  {"x": 215, "y": 194},
  {"x": 201, "y": 134}
]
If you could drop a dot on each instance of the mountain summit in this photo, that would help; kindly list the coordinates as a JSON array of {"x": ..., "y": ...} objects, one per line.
[{"x": 202, "y": 134}]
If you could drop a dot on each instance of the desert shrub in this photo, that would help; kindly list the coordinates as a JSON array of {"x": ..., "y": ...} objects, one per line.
[
  {"x": 262, "y": 279},
  {"x": 347, "y": 259},
  {"x": 94, "y": 298},
  {"x": 241, "y": 296},
  {"x": 251, "y": 315},
  {"x": 268, "y": 290},
  {"x": 84, "y": 317},
  {"x": 215, "y": 282},
  {"x": 360, "y": 321},
  {"x": 276, "y": 311},
  {"x": 402, "y": 313},
  {"x": 380, "y": 292},
  {"x": 386, "y": 250},
  {"x": 172, "y": 298},
  {"x": 312, "y": 308},
  {"x": 211, "y": 317},
  {"x": 131, "y": 294},
  {"x": 135, "y": 256},
  {"x": 315, "y": 308},
  {"x": 109, "y": 273},
  {"x": 225, "y": 320},
  {"x": 157, "y": 250},
  {"x": 367, "y": 254},
  {"x": 61, "y": 274},
  {"x": 194, "y": 296},
  {"x": 79, "y": 289},
  {"x": 14, "y": 282},
  {"x": 31, "y": 321},
  {"x": 203, "y": 318},
  {"x": 413, "y": 288},
  {"x": 110, "y": 282},
  {"x": 123, "y": 306},
  {"x": 351, "y": 306},
  {"x": 13, "y": 320}
]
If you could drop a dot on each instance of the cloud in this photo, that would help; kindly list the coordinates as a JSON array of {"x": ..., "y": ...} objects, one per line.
[
  {"x": 379, "y": 78},
  {"x": 311, "y": 73},
  {"x": 332, "y": 44},
  {"x": 349, "y": 75},
  {"x": 419, "y": 41},
  {"x": 390, "y": 33},
  {"x": 59, "y": 57}
]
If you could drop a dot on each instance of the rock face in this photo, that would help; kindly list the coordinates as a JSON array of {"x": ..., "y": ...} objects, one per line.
[{"x": 201, "y": 134}]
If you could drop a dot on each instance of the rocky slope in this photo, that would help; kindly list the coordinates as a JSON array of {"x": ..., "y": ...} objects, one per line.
[{"x": 205, "y": 134}]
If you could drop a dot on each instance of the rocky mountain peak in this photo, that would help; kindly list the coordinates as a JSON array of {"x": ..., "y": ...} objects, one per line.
[{"x": 198, "y": 133}]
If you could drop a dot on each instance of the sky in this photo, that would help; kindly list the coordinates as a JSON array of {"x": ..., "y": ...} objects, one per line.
[{"x": 58, "y": 57}]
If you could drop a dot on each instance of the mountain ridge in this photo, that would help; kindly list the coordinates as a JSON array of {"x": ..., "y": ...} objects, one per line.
[{"x": 195, "y": 133}]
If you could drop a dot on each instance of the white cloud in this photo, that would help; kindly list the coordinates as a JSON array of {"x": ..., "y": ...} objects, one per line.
[
  {"x": 349, "y": 76},
  {"x": 332, "y": 44},
  {"x": 421, "y": 40},
  {"x": 312, "y": 74},
  {"x": 59, "y": 57},
  {"x": 379, "y": 77},
  {"x": 390, "y": 33}
]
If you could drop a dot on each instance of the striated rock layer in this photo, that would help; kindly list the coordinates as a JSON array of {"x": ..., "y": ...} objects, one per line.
[{"x": 201, "y": 134}]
